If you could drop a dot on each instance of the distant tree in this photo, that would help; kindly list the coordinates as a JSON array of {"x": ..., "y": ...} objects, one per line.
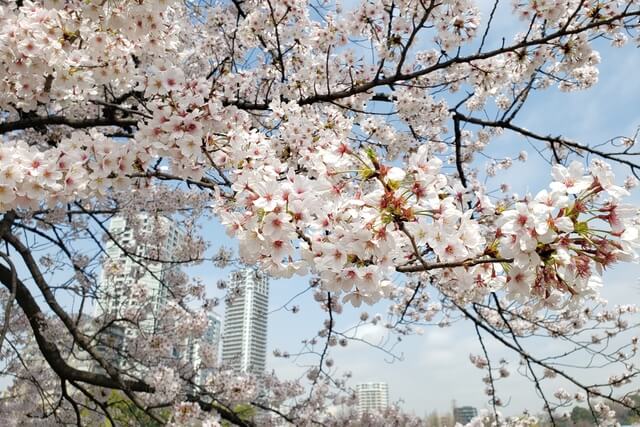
[
  {"x": 582, "y": 417},
  {"x": 433, "y": 420},
  {"x": 126, "y": 413}
]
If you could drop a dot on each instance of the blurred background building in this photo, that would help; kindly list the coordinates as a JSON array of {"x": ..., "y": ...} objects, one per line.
[
  {"x": 134, "y": 280},
  {"x": 244, "y": 340},
  {"x": 464, "y": 414},
  {"x": 129, "y": 266},
  {"x": 372, "y": 396}
]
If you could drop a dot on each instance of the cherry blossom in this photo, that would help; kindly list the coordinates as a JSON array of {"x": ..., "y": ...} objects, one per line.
[{"x": 369, "y": 170}]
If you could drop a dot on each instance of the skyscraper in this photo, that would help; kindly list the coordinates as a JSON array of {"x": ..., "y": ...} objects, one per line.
[
  {"x": 137, "y": 272},
  {"x": 244, "y": 341},
  {"x": 130, "y": 279},
  {"x": 372, "y": 396}
]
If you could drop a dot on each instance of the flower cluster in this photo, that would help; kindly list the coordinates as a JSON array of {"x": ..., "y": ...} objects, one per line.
[
  {"x": 301, "y": 187},
  {"x": 562, "y": 239},
  {"x": 62, "y": 52}
]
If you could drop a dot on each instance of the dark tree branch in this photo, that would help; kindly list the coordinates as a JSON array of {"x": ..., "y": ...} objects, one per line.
[{"x": 61, "y": 120}]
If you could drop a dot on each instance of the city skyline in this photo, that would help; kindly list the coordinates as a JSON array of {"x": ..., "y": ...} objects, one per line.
[{"x": 245, "y": 318}]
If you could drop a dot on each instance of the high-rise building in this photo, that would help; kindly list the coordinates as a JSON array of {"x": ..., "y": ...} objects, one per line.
[
  {"x": 211, "y": 339},
  {"x": 372, "y": 396},
  {"x": 464, "y": 414},
  {"x": 130, "y": 279},
  {"x": 146, "y": 238},
  {"x": 244, "y": 340},
  {"x": 125, "y": 274}
]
